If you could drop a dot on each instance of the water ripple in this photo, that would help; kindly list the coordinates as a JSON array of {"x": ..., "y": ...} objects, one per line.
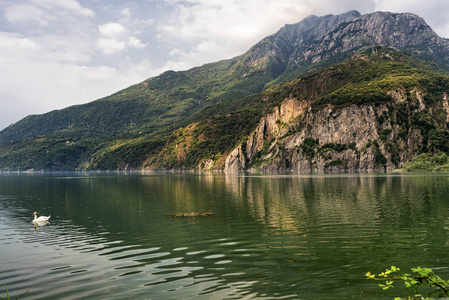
[{"x": 279, "y": 238}]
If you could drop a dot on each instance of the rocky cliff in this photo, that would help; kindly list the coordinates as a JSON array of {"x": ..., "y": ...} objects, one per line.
[
  {"x": 303, "y": 135},
  {"x": 329, "y": 140}
]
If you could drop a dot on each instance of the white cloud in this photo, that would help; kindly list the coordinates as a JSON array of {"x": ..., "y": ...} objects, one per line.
[
  {"x": 33, "y": 86},
  {"x": 14, "y": 42},
  {"x": 135, "y": 42},
  {"x": 126, "y": 12},
  {"x": 41, "y": 87},
  {"x": 71, "y": 6},
  {"x": 115, "y": 38},
  {"x": 28, "y": 13},
  {"x": 59, "y": 62},
  {"x": 111, "y": 29},
  {"x": 43, "y": 12},
  {"x": 48, "y": 48},
  {"x": 110, "y": 45}
]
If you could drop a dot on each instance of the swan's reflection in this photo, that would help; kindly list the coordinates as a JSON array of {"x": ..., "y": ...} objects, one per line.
[{"x": 40, "y": 224}]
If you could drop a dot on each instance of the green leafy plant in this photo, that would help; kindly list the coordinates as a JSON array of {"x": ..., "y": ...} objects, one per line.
[
  {"x": 8, "y": 297},
  {"x": 421, "y": 277}
]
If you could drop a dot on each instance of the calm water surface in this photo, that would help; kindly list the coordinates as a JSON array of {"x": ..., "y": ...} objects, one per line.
[{"x": 270, "y": 237}]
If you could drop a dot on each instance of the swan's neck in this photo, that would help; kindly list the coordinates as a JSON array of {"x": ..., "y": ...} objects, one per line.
[{"x": 35, "y": 216}]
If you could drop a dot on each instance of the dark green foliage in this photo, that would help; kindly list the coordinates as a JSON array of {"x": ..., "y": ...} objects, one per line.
[
  {"x": 358, "y": 94},
  {"x": 308, "y": 147},
  {"x": 428, "y": 162},
  {"x": 335, "y": 162},
  {"x": 340, "y": 147},
  {"x": 54, "y": 154},
  {"x": 394, "y": 151},
  {"x": 403, "y": 134},
  {"x": 380, "y": 159},
  {"x": 326, "y": 147},
  {"x": 380, "y": 119},
  {"x": 424, "y": 123},
  {"x": 267, "y": 145},
  {"x": 335, "y": 147},
  {"x": 353, "y": 146},
  {"x": 438, "y": 140},
  {"x": 384, "y": 134},
  {"x": 124, "y": 154}
]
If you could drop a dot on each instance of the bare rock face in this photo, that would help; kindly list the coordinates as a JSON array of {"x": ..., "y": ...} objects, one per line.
[
  {"x": 235, "y": 161},
  {"x": 275, "y": 124},
  {"x": 446, "y": 106},
  {"x": 367, "y": 138},
  {"x": 329, "y": 38}
]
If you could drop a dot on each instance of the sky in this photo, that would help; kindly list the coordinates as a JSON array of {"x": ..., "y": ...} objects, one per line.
[{"x": 58, "y": 53}]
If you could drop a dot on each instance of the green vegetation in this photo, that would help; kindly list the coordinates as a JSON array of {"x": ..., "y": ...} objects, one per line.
[
  {"x": 49, "y": 153},
  {"x": 368, "y": 81},
  {"x": 334, "y": 163},
  {"x": 308, "y": 147},
  {"x": 420, "y": 277},
  {"x": 180, "y": 119},
  {"x": 333, "y": 147},
  {"x": 384, "y": 134},
  {"x": 428, "y": 162},
  {"x": 8, "y": 297},
  {"x": 379, "y": 157}
]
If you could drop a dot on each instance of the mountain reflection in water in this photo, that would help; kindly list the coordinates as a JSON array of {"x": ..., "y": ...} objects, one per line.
[{"x": 270, "y": 237}]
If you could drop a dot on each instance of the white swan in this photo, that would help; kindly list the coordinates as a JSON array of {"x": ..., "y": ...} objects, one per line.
[{"x": 41, "y": 218}]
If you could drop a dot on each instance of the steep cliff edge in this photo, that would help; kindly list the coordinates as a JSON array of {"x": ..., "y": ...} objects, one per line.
[{"x": 355, "y": 138}]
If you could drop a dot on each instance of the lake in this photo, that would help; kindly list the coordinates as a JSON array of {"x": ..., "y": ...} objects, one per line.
[{"x": 110, "y": 235}]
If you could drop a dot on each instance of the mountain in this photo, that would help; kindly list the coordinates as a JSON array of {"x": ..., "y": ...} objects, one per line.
[
  {"x": 371, "y": 113},
  {"x": 214, "y": 109},
  {"x": 161, "y": 101}
]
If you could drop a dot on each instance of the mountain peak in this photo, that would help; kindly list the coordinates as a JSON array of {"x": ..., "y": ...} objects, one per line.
[
  {"x": 317, "y": 25},
  {"x": 348, "y": 14},
  {"x": 320, "y": 41}
]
